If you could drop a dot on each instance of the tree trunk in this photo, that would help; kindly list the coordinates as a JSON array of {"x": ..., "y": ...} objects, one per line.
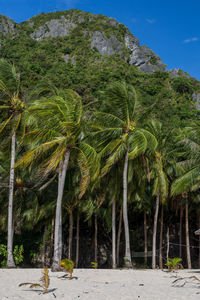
[
  {"x": 180, "y": 230},
  {"x": 167, "y": 237},
  {"x": 198, "y": 226},
  {"x": 10, "y": 260},
  {"x": 44, "y": 246},
  {"x": 119, "y": 235},
  {"x": 51, "y": 240},
  {"x": 155, "y": 232},
  {"x": 199, "y": 240},
  {"x": 145, "y": 237},
  {"x": 70, "y": 234},
  {"x": 187, "y": 236},
  {"x": 114, "y": 233},
  {"x": 127, "y": 256},
  {"x": 77, "y": 239},
  {"x": 58, "y": 220},
  {"x": 161, "y": 239},
  {"x": 95, "y": 239}
]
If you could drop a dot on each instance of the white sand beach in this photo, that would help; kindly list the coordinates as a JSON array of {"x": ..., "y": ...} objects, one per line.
[{"x": 99, "y": 285}]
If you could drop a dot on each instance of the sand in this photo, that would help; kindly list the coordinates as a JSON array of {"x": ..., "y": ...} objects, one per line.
[{"x": 100, "y": 285}]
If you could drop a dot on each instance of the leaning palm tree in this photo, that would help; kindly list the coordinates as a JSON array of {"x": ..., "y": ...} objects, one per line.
[
  {"x": 121, "y": 136},
  {"x": 55, "y": 134},
  {"x": 10, "y": 102}
]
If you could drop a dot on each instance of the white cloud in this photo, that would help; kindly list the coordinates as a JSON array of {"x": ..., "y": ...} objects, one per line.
[
  {"x": 190, "y": 40},
  {"x": 151, "y": 21}
]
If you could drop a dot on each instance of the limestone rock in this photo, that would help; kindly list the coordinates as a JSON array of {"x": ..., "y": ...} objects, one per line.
[
  {"x": 113, "y": 22},
  {"x": 175, "y": 73},
  {"x": 53, "y": 28},
  {"x": 69, "y": 59},
  {"x": 196, "y": 99},
  {"x": 143, "y": 57},
  {"x": 7, "y": 26},
  {"x": 105, "y": 45}
]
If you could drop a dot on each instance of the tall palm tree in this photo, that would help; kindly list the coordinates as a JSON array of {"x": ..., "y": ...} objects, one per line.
[
  {"x": 189, "y": 140},
  {"x": 120, "y": 133},
  {"x": 189, "y": 180},
  {"x": 10, "y": 102},
  {"x": 55, "y": 127},
  {"x": 159, "y": 165}
]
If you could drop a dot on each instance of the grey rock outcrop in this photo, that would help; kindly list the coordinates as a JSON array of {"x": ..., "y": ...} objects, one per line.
[
  {"x": 7, "y": 26},
  {"x": 105, "y": 45},
  {"x": 113, "y": 22},
  {"x": 69, "y": 59},
  {"x": 175, "y": 73},
  {"x": 196, "y": 99},
  {"x": 53, "y": 28},
  {"x": 143, "y": 57}
]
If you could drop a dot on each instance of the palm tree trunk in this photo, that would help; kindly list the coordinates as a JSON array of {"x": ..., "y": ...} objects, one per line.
[
  {"x": 199, "y": 240},
  {"x": 77, "y": 239},
  {"x": 95, "y": 239},
  {"x": 145, "y": 237},
  {"x": 187, "y": 236},
  {"x": 10, "y": 260},
  {"x": 114, "y": 233},
  {"x": 167, "y": 237},
  {"x": 127, "y": 256},
  {"x": 70, "y": 234},
  {"x": 161, "y": 239},
  {"x": 51, "y": 240},
  {"x": 44, "y": 246},
  {"x": 58, "y": 219},
  {"x": 180, "y": 230},
  {"x": 119, "y": 234},
  {"x": 155, "y": 232}
]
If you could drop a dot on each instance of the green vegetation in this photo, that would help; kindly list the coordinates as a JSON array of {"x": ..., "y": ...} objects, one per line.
[
  {"x": 94, "y": 265},
  {"x": 17, "y": 254},
  {"x": 68, "y": 265},
  {"x": 45, "y": 281},
  {"x": 87, "y": 137},
  {"x": 174, "y": 263}
]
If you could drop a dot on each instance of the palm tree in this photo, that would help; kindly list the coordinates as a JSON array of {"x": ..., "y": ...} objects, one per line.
[
  {"x": 120, "y": 133},
  {"x": 11, "y": 103},
  {"x": 189, "y": 180},
  {"x": 189, "y": 139},
  {"x": 55, "y": 126},
  {"x": 160, "y": 188}
]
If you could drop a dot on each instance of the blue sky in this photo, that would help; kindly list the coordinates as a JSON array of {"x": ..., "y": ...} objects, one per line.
[{"x": 171, "y": 28}]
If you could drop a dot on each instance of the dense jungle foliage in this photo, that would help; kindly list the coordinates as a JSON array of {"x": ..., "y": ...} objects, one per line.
[{"x": 117, "y": 147}]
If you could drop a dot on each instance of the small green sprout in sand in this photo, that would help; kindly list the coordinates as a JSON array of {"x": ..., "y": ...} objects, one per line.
[
  {"x": 94, "y": 265},
  {"x": 68, "y": 265},
  {"x": 44, "y": 279},
  {"x": 174, "y": 263}
]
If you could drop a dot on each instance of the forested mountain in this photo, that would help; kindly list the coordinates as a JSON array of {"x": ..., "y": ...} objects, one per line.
[{"x": 95, "y": 121}]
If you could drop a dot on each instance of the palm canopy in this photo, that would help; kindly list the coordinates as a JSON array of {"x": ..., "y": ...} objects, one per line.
[
  {"x": 118, "y": 127},
  {"x": 189, "y": 140},
  {"x": 10, "y": 95},
  {"x": 55, "y": 127}
]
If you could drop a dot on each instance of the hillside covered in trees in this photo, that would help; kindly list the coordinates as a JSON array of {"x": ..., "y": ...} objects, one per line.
[{"x": 100, "y": 147}]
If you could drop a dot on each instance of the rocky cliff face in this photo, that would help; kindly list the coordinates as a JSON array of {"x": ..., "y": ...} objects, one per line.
[
  {"x": 196, "y": 99},
  {"x": 104, "y": 41},
  {"x": 7, "y": 27},
  {"x": 53, "y": 28}
]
